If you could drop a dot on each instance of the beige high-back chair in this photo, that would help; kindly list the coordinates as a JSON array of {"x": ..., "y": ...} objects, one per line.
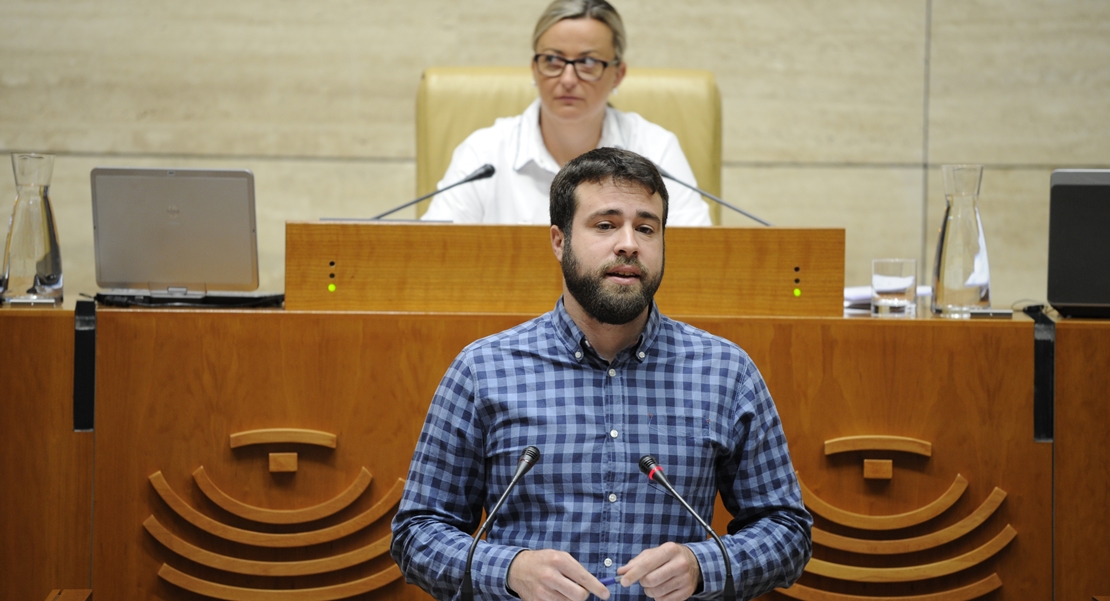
[{"x": 453, "y": 102}]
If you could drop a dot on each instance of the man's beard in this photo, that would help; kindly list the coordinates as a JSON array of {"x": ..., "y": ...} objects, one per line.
[{"x": 615, "y": 307}]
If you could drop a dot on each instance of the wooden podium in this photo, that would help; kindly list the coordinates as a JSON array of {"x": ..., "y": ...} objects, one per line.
[
  {"x": 194, "y": 407},
  {"x": 258, "y": 454},
  {"x": 445, "y": 268}
]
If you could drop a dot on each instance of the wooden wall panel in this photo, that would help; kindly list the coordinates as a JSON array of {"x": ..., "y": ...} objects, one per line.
[
  {"x": 1082, "y": 462},
  {"x": 966, "y": 388},
  {"x": 176, "y": 385},
  {"x": 45, "y": 467},
  {"x": 179, "y": 383}
]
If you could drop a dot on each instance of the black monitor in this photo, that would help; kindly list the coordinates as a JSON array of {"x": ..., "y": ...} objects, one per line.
[{"x": 1079, "y": 243}]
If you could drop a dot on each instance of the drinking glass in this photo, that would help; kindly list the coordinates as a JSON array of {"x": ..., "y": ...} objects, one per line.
[{"x": 894, "y": 287}]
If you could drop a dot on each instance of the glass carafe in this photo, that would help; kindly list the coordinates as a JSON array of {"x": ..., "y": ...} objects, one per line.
[
  {"x": 961, "y": 272},
  {"x": 32, "y": 262}
]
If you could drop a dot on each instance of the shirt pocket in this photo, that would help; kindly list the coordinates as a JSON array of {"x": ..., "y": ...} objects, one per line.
[
  {"x": 683, "y": 445},
  {"x": 679, "y": 428}
]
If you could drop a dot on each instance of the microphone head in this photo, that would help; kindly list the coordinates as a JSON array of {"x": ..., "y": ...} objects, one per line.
[
  {"x": 528, "y": 460},
  {"x": 648, "y": 465},
  {"x": 530, "y": 455},
  {"x": 483, "y": 172}
]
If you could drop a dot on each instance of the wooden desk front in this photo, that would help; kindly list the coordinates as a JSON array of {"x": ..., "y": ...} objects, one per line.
[
  {"x": 445, "y": 268},
  {"x": 174, "y": 385},
  {"x": 45, "y": 467},
  {"x": 1082, "y": 459}
]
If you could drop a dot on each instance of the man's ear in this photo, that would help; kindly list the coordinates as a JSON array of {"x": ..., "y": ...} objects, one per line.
[{"x": 557, "y": 240}]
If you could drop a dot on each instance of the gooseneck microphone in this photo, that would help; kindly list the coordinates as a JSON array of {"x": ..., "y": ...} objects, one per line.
[
  {"x": 674, "y": 179},
  {"x": 654, "y": 471},
  {"x": 480, "y": 173},
  {"x": 528, "y": 459}
]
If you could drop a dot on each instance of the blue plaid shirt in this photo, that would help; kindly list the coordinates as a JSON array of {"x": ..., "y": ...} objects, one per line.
[{"x": 693, "y": 400}]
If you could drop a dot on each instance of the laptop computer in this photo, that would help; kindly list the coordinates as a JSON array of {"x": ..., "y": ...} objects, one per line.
[
  {"x": 175, "y": 237},
  {"x": 1079, "y": 242}
]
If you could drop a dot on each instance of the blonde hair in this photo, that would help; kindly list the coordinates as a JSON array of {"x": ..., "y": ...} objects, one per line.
[{"x": 599, "y": 10}]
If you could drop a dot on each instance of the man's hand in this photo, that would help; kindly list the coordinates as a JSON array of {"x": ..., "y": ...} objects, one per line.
[
  {"x": 669, "y": 572},
  {"x": 549, "y": 575}
]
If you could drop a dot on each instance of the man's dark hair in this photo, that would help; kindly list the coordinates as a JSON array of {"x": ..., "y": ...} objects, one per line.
[{"x": 622, "y": 167}]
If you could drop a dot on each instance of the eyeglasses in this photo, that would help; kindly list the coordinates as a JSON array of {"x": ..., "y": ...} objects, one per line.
[{"x": 587, "y": 69}]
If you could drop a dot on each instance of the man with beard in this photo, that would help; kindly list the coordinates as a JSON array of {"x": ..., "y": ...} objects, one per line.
[{"x": 595, "y": 384}]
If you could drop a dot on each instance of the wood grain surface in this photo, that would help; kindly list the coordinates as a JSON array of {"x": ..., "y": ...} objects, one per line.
[
  {"x": 897, "y": 521},
  {"x": 966, "y": 388},
  {"x": 267, "y": 539},
  {"x": 263, "y": 568},
  {"x": 274, "y": 435},
  {"x": 878, "y": 469},
  {"x": 919, "y": 543},
  {"x": 368, "y": 378},
  {"x": 45, "y": 467},
  {"x": 1082, "y": 462},
  {"x": 915, "y": 572},
  {"x": 878, "y": 443},
  {"x": 69, "y": 595},
  {"x": 266, "y": 515},
  {"x": 428, "y": 267},
  {"x": 964, "y": 593},
  {"x": 174, "y": 385}
]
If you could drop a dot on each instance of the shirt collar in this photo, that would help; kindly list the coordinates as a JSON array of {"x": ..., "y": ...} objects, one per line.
[
  {"x": 572, "y": 339},
  {"x": 531, "y": 149},
  {"x": 612, "y": 134}
]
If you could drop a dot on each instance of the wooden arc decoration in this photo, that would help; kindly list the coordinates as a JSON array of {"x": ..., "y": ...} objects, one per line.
[
  {"x": 884, "y": 522},
  {"x": 910, "y": 545},
  {"x": 266, "y": 539},
  {"x": 919, "y": 572},
  {"x": 282, "y": 516},
  {"x": 904, "y": 444},
  {"x": 263, "y": 568},
  {"x": 965, "y": 593},
  {"x": 280, "y": 435},
  {"x": 234, "y": 593},
  {"x": 69, "y": 594}
]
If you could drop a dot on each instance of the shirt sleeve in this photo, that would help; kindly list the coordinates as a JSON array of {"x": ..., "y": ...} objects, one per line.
[
  {"x": 769, "y": 540},
  {"x": 443, "y": 499},
  {"x": 462, "y": 204}
]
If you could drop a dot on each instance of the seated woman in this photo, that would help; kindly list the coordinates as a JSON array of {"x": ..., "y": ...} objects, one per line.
[{"x": 577, "y": 65}]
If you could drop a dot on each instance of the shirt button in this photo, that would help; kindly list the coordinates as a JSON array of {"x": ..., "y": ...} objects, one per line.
[
  {"x": 642, "y": 354},
  {"x": 608, "y": 562},
  {"x": 578, "y": 354},
  {"x": 612, "y": 433},
  {"x": 612, "y": 372},
  {"x": 612, "y": 498}
]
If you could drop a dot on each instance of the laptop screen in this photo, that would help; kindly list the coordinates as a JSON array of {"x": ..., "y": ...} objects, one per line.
[
  {"x": 176, "y": 231},
  {"x": 1079, "y": 242}
]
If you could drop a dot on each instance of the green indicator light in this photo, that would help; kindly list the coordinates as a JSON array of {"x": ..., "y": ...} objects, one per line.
[
  {"x": 331, "y": 287},
  {"x": 797, "y": 292}
]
